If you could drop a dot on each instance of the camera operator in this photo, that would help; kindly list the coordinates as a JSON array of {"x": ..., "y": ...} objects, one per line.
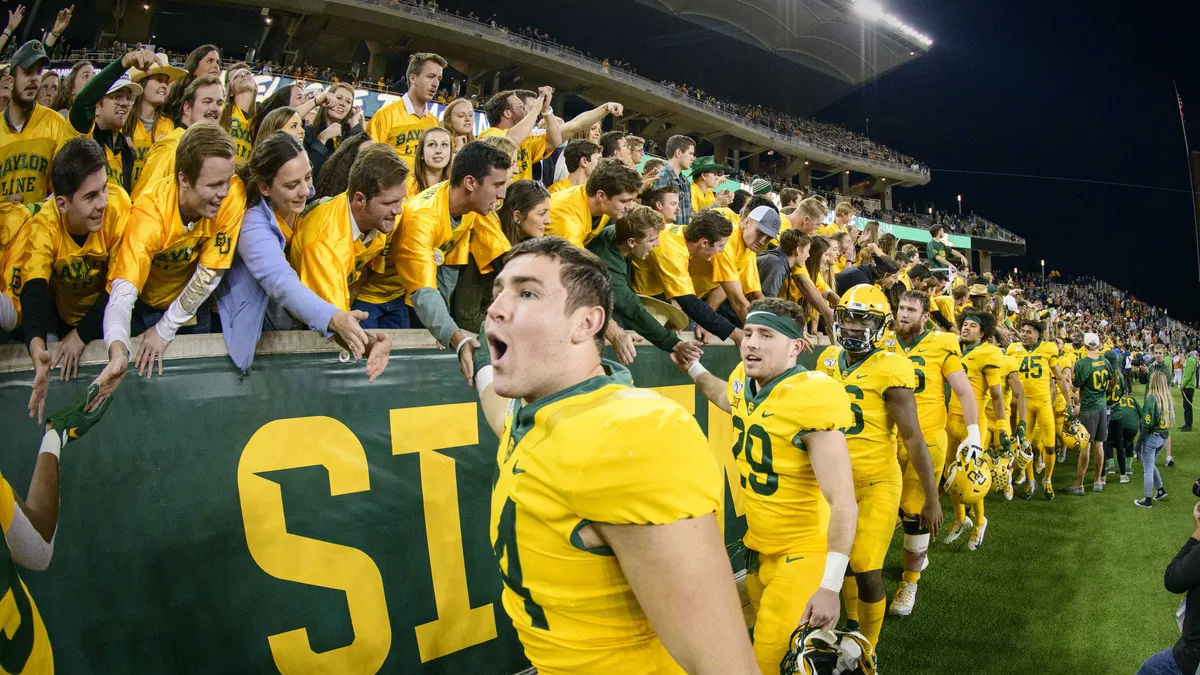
[{"x": 1183, "y": 576}]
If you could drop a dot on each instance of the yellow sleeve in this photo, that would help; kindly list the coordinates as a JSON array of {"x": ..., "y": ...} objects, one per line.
[
  {"x": 536, "y": 144},
  {"x": 143, "y": 238},
  {"x": 749, "y": 276},
  {"x": 40, "y": 247},
  {"x": 320, "y": 265},
  {"x": 819, "y": 403},
  {"x": 1052, "y": 357},
  {"x": 216, "y": 253},
  {"x": 660, "y": 473},
  {"x": 564, "y": 221},
  {"x": 412, "y": 254},
  {"x": 379, "y": 125},
  {"x": 993, "y": 374},
  {"x": 7, "y": 504},
  {"x": 487, "y": 241},
  {"x": 899, "y": 373},
  {"x": 953, "y": 360},
  {"x": 723, "y": 267}
]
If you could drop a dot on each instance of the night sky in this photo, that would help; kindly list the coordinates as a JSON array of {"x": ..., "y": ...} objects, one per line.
[{"x": 1078, "y": 90}]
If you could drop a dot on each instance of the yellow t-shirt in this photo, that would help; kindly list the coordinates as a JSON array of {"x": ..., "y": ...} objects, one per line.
[
  {"x": 14, "y": 238},
  {"x": 945, "y": 305},
  {"x": 532, "y": 149},
  {"x": 729, "y": 215},
  {"x": 872, "y": 436},
  {"x": 239, "y": 128},
  {"x": 429, "y": 238},
  {"x": 785, "y": 509},
  {"x": 665, "y": 270},
  {"x": 487, "y": 240},
  {"x": 158, "y": 254},
  {"x": 984, "y": 364},
  {"x": 828, "y": 230},
  {"x": 736, "y": 263},
  {"x": 326, "y": 255},
  {"x": 934, "y": 356},
  {"x": 76, "y": 274},
  {"x": 27, "y": 647},
  {"x": 839, "y": 265},
  {"x": 159, "y": 163},
  {"x": 596, "y": 452},
  {"x": 399, "y": 125},
  {"x": 142, "y": 142},
  {"x": 571, "y": 218},
  {"x": 25, "y": 155},
  {"x": 1036, "y": 368},
  {"x": 559, "y": 186},
  {"x": 701, "y": 199}
]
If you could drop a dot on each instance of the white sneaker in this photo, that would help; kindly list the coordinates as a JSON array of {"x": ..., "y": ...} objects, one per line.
[
  {"x": 1124, "y": 478},
  {"x": 1040, "y": 464},
  {"x": 1021, "y": 480},
  {"x": 906, "y": 597},
  {"x": 1008, "y": 493},
  {"x": 977, "y": 535},
  {"x": 957, "y": 528},
  {"x": 1097, "y": 487}
]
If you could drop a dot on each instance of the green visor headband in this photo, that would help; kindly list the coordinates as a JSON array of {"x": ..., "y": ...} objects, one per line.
[{"x": 779, "y": 324}]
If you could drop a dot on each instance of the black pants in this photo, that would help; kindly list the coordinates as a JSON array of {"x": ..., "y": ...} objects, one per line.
[
  {"x": 1119, "y": 441},
  {"x": 1187, "y": 407}
]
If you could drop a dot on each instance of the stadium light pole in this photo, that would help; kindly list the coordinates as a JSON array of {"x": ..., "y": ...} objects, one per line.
[
  {"x": 1043, "y": 273},
  {"x": 960, "y": 205}
]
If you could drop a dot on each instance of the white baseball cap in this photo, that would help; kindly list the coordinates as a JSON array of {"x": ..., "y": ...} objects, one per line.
[
  {"x": 125, "y": 82},
  {"x": 1091, "y": 340}
]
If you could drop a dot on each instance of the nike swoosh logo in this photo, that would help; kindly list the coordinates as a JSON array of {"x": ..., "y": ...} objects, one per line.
[
  {"x": 875, "y": 483},
  {"x": 73, "y": 432},
  {"x": 516, "y": 470},
  {"x": 766, "y": 415},
  {"x": 790, "y": 559},
  {"x": 860, "y": 377}
]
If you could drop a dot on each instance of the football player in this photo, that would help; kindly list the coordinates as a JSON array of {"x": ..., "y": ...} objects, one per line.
[
  {"x": 1039, "y": 365},
  {"x": 935, "y": 356},
  {"x": 1014, "y": 411},
  {"x": 983, "y": 363},
  {"x": 29, "y": 526},
  {"x": 880, "y": 385},
  {"x": 607, "y": 567},
  {"x": 1066, "y": 363},
  {"x": 796, "y": 476}
]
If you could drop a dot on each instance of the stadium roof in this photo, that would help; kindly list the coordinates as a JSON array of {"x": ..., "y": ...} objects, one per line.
[{"x": 828, "y": 36}]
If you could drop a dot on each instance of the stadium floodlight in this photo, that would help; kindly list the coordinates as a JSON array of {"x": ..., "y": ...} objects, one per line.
[{"x": 870, "y": 10}]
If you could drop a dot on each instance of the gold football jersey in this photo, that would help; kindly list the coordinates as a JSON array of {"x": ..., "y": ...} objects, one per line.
[
  {"x": 983, "y": 363},
  {"x": 597, "y": 452},
  {"x": 1036, "y": 367},
  {"x": 871, "y": 436},
  {"x": 934, "y": 355},
  {"x": 785, "y": 509},
  {"x": 26, "y": 651}
]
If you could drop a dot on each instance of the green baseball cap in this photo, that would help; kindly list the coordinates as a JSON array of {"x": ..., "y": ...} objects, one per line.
[{"x": 29, "y": 54}]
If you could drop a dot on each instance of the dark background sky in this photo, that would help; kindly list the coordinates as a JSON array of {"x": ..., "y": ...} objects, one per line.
[{"x": 1071, "y": 89}]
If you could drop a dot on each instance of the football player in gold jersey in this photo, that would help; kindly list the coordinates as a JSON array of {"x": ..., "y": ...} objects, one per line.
[
  {"x": 608, "y": 565},
  {"x": 1066, "y": 364},
  {"x": 936, "y": 359},
  {"x": 796, "y": 476},
  {"x": 880, "y": 385},
  {"x": 1039, "y": 367},
  {"x": 29, "y": 526}
]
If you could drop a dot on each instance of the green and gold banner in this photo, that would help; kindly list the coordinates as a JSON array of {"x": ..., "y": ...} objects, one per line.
[{"x": 297, "y": 520}]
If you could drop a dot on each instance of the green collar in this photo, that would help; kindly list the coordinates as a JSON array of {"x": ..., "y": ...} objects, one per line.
[
  {"x": 966, "y": 350},
  {"x": 614, "y": 373},
  {"x": 847, "y": 369},
  {"x": 917, "y": 340},
  {"x": 761, "y": 396}
]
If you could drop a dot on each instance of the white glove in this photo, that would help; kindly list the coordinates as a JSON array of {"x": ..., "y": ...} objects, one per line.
[{"x": 971, "y": 449}]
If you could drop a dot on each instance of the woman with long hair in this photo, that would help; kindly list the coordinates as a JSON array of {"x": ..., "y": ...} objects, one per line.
[
  {"x": 432, "y": 164},
  {"x": 459, "y": 119},
  {"x": 1158, "y": 414},
  {"x": 146, "y": 123},
  {"x": 332, "y": 182},
  {"x": 72, "y": 84},
  {"x": 336, "y": 119},
  {"x": 241, "y": 97},
  {"x": 48, "y": 89},
  {"x": 288, "y": 96},
  {"x": 821, "y": 256},
  {"x": 204, "y": 61},
  {"x": 261, "y": 290},
  {"x": 282, "y": 119},
  {"x": 525, "y": 213}
]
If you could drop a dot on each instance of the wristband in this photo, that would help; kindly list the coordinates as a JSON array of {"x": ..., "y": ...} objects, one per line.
[
  {"x": 695, "y": 370},
  {"x": 52, "y": 442},
  {"x": 835, "y": 571},
  {"x": 7, "y": 33},
  {"x": 461, "y": 344},
  {"x": 484, "y": 377}
]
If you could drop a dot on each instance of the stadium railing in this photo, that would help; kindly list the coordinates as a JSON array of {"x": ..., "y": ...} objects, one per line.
[{"x": 579, "y": 60}]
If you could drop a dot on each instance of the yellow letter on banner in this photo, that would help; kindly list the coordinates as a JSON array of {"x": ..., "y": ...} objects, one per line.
[
  {"x": 424, "y": 430},
  {"x": 313, "y": 441}
]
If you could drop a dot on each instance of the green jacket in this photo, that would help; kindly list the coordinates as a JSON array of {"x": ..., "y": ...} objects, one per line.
[
  {"x": 1128, "y": 414},
  {"x": 627, "y": 306},
  {"x": 1189, "y": 372}
]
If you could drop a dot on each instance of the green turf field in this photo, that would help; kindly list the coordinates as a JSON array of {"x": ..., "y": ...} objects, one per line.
[{"x": 1069, "y": 586}]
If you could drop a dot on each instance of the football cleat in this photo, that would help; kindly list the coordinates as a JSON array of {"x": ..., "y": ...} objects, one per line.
[
  {"x": 957, "y": 528},
  {"x": 906, "y": 597},
  {"x": 1029, "y": 490},
  {"x": 1008, "y": 493},
  {"x": 1048, "y": 490},
  {"x": 977, "y": 535}
]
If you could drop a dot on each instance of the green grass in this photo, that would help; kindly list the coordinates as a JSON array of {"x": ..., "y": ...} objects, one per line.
[{"x": 1069, "y": 586}]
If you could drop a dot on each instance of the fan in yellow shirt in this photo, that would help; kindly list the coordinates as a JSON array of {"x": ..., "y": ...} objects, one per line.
[
  {"x": 936, "y": 358},
  {"x": 578, "y": 213},
  {"x": 706, "y": 176},
  {"x": 880, "y": 385},
  {"x": 14, "y": 218},
  {"x": 64, "y": 260},
  {"x": 1039, "y": 365},
  {"x": 589, "y": 540},
  {"x": 399, "y": 124},
  {"x": 795, "y": 473},
  {"x": 581, "y": 157},
  {"x": 29, "y": 527},
  {"x": 31, "y": 133},
  {"x": 180, "y": 239},
  {"x": 515, "y": 114},
  {"x": 434, "y": 241},
  {"x": 242, "y": 91},
  {"x": 202, "y": 100},
  {"x": 735, "y": 269},
  {"x": 147, "y": 123}
]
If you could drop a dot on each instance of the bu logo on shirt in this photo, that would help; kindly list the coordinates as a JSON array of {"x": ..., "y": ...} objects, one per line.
[{"x": 222, "y": 242}]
